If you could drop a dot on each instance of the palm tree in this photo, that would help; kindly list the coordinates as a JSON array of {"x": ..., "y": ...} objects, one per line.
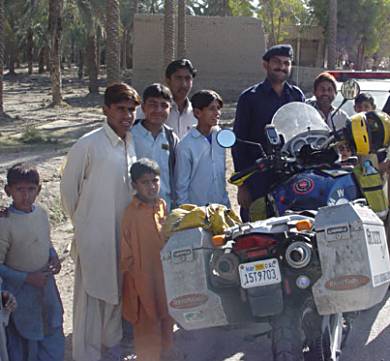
[
  {"x": 1, "y": 54},
  {"x": 169, "y": 32},
  {"x": 218, "y": 8},
  {"x": 55, "y": 33},
  {"x": 133, "y": 11},
  {"x": 113, "y": 42},
  {"x": 88, "y": 15},
  {"x": 332, "y": 34},
  {"x": 182, "y": 29}
]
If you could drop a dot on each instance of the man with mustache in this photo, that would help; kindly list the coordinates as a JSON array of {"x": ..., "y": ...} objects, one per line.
[
  {"x": 325, "y": 90},
  {"x": 255, "y": 108},
  {"x": 179, "y": 76}
]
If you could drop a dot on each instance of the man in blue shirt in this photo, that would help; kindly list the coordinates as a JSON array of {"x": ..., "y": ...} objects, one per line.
[{"x": 255, "y": 108}]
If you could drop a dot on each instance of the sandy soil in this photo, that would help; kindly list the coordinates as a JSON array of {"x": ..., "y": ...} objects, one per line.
[{"x": 35, "y": 131}]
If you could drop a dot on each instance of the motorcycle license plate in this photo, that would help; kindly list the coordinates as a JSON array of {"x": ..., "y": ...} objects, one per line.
[{"x": 259, "y": 273}]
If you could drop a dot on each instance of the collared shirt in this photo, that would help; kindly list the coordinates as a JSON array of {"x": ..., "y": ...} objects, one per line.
[
  {"x": 181, "y": 123},
  {"x": 146, "y": 146},
  {"x": 200, "y": 170},
  {"x": 339, "y": 119},
  {"x": 95, "y": 191},
  {"x": 255, "y": 108}
]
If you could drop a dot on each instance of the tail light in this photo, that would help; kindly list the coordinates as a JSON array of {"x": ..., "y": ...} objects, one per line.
[{"x": 255, "y": 245}]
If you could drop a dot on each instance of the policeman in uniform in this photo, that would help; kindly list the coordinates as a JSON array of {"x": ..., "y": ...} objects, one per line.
[{"x": 255, "y": 108}]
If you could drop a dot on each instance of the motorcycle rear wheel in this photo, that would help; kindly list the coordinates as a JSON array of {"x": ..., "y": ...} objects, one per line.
[{"x": 287, "y": 340}]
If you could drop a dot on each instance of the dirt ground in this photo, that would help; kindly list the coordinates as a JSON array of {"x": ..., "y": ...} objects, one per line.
[{"x": 35, "y": 131}]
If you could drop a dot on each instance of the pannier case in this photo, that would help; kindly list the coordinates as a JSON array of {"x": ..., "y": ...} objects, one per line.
[
  {"x": 192, "y": 300},
  {"x": 354, "y": 259}
]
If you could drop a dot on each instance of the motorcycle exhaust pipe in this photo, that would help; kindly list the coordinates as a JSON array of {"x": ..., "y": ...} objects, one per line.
[{"x": 298, "y": 254}]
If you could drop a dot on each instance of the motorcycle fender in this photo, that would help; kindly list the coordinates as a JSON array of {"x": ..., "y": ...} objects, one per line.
[{"x": 266, "y": 300}]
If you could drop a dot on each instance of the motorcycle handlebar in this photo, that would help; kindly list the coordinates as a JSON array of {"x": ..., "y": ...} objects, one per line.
[{"x": 239, "y": 177}]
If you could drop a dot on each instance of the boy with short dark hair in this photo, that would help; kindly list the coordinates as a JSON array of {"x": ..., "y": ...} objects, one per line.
[
  {"x": 364, "y": 102},
  {"x": 95, "y": 190},
  {"x": 200, "y": 161},
  {"x": 28, "y": 263},
  {"x": 144, "y": 300},
  {"x": 155, "y": 140}
]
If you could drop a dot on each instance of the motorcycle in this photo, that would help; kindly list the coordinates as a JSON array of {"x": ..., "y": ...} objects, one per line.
[{"x": 320, "y": 252}]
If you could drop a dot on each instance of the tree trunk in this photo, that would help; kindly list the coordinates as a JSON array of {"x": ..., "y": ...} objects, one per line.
[
  {"x": 1, "y": 55},
  {"x": 91, "y": 51},
  {"x": 169, "y": 32},
  {"x": 124, "y": 49},
  {"x": 360, "y": 55},
  {"x": 80, "y": 72},
  {"x": 11, "y": 62},
  {"x": 46, "y": 57},
  {"x": 41, "y": 61},
  {"x": 218, "y": 8},
  {"x": 72, "y": 51},
  {"x": 99, "y": 50},
  {"x": 182, "y": 30},
  {"x": 332, "y": 34},
  {"x": 55, "y": 33},
  {"x": 133, "y": 11},
  {"x": 113, "y": 42},
  {"x": 30, "y": 50}
]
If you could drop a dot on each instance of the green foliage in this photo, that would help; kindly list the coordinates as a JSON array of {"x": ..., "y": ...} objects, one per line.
[
  {"x": 275, "y": 14},
  {"x": 22, "y": 15},
  {"x": 32, "y": 135},
  {"x": 242, "y": 7},
  {"x": 151, "y": 6},
  {"x": 366, "y": 28},
  {"x": 56, "y": 212}
]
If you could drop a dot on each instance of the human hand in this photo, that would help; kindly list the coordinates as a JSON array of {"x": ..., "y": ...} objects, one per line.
[
  {"x": 9, "y": 301},
  {"x": 38, "y": 279},
  {"x": 54, "y": 265},
  {"x": 243, "y": 197}
]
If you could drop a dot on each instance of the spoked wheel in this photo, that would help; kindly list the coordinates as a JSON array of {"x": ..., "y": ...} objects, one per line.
[{"x": 327, "y": 345}]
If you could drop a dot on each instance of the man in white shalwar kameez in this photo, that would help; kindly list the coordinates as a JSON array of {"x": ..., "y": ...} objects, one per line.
[{"x": 95, "y": 191}]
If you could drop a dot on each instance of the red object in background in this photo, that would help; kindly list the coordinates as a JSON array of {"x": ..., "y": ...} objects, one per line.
[
  {"x": 256, "y": 241},
  {"x": 342, "y": 75}
]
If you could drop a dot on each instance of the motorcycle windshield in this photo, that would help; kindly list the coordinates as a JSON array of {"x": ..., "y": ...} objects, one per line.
[{"x": 300, "y": 123}]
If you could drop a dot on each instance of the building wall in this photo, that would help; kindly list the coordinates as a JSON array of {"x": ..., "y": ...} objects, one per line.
[
  {"x": 226, "y": 51},
  {"x": 305, "y": 76}
]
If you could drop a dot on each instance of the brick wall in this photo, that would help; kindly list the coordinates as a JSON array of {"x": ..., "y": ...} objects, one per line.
[{"x": 226, "y": 51}]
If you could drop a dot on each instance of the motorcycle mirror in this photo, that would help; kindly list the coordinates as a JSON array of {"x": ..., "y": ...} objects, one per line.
[
  {"x": 226, "y": 138},
  {"x": 350, "y": 89}
]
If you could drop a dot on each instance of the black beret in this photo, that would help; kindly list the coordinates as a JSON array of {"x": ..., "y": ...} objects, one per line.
[{"x": 279, "y": 50}]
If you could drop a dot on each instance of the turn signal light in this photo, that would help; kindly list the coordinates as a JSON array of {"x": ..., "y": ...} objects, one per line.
[
  {"x": 218, "y": 240},
  {"x": 304, "y": 225}
]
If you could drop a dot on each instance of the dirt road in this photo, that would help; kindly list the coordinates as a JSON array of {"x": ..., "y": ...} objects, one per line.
[{"x": 37, "y": 132}]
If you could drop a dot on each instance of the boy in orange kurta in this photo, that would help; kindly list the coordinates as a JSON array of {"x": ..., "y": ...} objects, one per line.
[{"x": 144, "y": 301}]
